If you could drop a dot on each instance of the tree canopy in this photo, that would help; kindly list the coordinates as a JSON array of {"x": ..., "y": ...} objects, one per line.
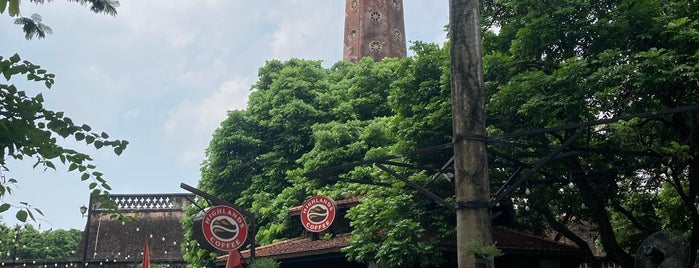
[
  {"x": 26, "y": 242},
  {"x": 548, "y": 67}
]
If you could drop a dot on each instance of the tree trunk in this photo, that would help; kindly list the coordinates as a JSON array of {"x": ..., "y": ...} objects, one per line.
[
  {"x": 600, "y": 216},
  {"x": 468, "y": 115}
]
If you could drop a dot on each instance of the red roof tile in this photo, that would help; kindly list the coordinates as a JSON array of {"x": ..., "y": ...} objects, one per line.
[
  {"x": 296, "y": 247},
  {"x": 514, "y": 240},
  {"x": 506, "y": 239}
]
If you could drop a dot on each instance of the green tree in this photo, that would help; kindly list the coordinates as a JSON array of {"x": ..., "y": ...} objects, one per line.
[
  {"x": 25, "y": 242},
  {"x": 29, "y": 130},
  {"x": 565, "y": 61},
  {"x": 302, "y": 117},
  {"x": 550, "y": 64}
]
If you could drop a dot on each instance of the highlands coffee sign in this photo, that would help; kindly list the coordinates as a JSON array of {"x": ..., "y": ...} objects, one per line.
[
  {"x": 318, "y": 213},
  {"x": 222, "y": 227}
]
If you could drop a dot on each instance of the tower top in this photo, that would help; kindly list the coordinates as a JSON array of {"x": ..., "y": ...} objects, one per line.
[{"x": 374, "y": 28}]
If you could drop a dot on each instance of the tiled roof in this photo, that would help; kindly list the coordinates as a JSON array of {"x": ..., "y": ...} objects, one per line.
[
  {"x": 296, "y": 247},
  {"x": 506, "y": 240}
]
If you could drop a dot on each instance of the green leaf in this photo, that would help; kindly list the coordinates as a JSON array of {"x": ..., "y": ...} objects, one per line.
[
  {"x": 99, "y": 144},
  {"x": 72, "y": 166},
  {"x": 14, "y": 8},
  {"x": 15, "y": 58},
  {"x": 92, "y": 185},
  {"x": 118, "y": 150},
  {"x": 39, "y": 211},
  {"x": 84, "y": 177},
  {"x": 90, "y": 139},
  {"x": 21, "y": 216},
  {"x": 50, "y": 165},
  {"x": 31, "y": 215},
  {"x": 3, "y": 5},
  {"x": 79, "y": 136},
  {"x": 6, "y": 206},
  {"x": 105, "y": 135},
  {"x": 86, "y": 127}
]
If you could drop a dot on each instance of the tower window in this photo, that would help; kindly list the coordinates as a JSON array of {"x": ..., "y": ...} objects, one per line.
[
  {"x": 352, "y": 35},
  {"x": 375, "y": 16},
  {"x": 397, "y": 35},
  {"x": 396, "y": 4},
  {"x": 354, "y": 4},
  {"x": 375, "y": 46}
]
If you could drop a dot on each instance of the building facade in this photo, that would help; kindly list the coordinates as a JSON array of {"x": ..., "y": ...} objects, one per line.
[
  {"x": 374, "y": 28},
  {"x": 108, "y": 242}
]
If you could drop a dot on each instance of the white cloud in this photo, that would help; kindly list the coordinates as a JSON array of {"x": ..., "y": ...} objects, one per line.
[
  {"x": 190, "y": 125},
  {"x": 308, "y": 30}
]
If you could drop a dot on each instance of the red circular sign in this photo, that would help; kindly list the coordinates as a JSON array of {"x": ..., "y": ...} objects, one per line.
[
  {"x": 224, "y": 228},
  {"x": 318, "y": 213}
]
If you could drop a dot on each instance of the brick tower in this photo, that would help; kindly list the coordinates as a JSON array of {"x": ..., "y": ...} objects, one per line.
[{"x": 374, "y": 28}]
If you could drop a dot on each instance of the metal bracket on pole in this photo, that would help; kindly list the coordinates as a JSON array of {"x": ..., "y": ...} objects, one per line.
[
  {"x": 416, "y": 186},
  {"x": 219, "y": 201}
]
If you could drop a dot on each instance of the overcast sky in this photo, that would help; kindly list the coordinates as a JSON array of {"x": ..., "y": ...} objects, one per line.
[{"x": 162, "y": 75}]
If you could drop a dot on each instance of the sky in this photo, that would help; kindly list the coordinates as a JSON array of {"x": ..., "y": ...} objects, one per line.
[{"x": 162, "y": 74}]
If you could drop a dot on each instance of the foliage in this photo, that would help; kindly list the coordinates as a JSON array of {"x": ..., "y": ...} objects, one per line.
[
  {"x": 551, "y": 64},
  {"x": 302, "y": 117},
  {"x": 565, "y": 61},
  {"x": 33, "y": 25},
  {"x": 483, "y": 250},
  {"x": 25, "y": 242},
  {"x": 28, "y": 129},
  {"x": 265, "y": 263},
  {"x": 388, "y": 230}
]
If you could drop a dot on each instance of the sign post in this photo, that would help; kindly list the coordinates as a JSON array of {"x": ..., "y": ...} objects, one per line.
[{"x": 223, "y": 225}]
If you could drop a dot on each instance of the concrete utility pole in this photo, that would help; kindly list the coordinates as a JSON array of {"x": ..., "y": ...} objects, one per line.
[{"x": 468, "y": 115}]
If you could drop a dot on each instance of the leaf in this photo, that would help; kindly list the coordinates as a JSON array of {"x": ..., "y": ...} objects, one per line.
[
  {"x": 84, "y": 177},
  {"x": 79, "y": 136},
  {"x": 39, "y": 211},
  {"x": 14, "y": 8},
  {"x": 89, "y": 139},
  {"x": 6, "y": 206},
  {"x": 92, "y": 185},
  {"x": 118, "y": 150},
  {"x": 3, "y": 5},
  {"x": 31, "y": 215},
  {"x": 50, "y": 165},
  {"x": 21, "y": 216},
  {"x": 104, "y": 135},
  {"x": 72, "y": 166},
  {"x": 15, "y": 58}
]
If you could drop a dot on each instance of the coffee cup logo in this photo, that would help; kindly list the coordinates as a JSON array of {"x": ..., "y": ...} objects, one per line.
[
  {"x": 318, "y": 213},
  {"x": 224, "y": 228}
]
